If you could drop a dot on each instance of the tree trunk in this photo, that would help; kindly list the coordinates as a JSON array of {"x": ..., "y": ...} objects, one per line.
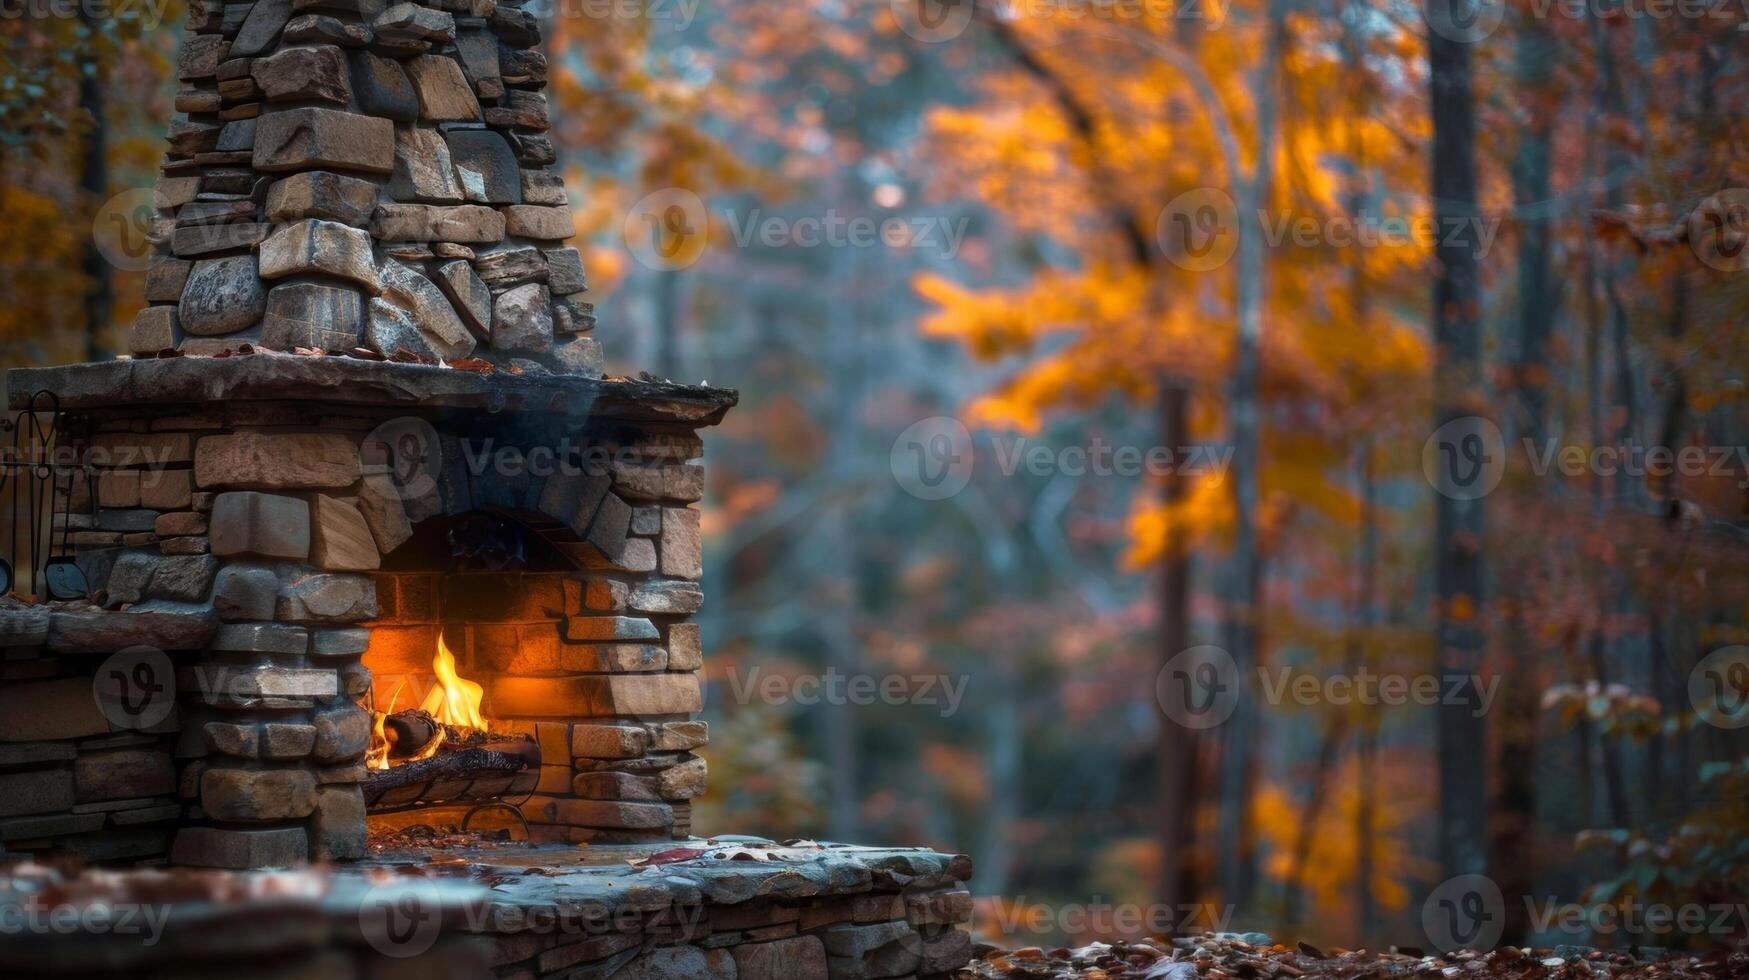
[
  {"x": 1244, "y": 616},
  {"x": 94, "y": 188},
  {"x": 1177, "y": 744},
  {"x": 1457, "y": 381}
]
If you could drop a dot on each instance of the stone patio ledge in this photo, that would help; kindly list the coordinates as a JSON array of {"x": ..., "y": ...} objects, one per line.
[
  {"x": 557, "y": 910},
  {"x": 271, "y": 376}
]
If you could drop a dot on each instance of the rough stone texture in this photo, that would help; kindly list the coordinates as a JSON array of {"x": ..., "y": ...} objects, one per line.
[
  {"x": 512, "y": 266},
  {"x": 315, "y": 246},
  {"x": 486, "y": 166},
  {"x": 311, "y": 138},
  {"x": 608, "y": 741},
  {"x": 565, "y": 266},
  {"x": 312, "y": 74},
  {"x": 684, "y": 649},
  {"x": 43, "y": 791},
  {"x": 319, "y": 194},
  {"x": 798, "y": 958},
  {"x": 522, "y": 319},
  {"x": 222, "y": 296},
  {"x": 381, "y": 503},
  {"x": 267, "y": 794},
  {"x": 340, "y": 539},
  {"x": 259, "y": 524},
  {"x": 262, "y": 638},
  {"x": 339, "y": 826},
  {"x": 309, "y": 314},
  {"x": 382, "y": 87},
  {"x": 262, "y": 26},
  {"x": 328, "y": 599},
  {"x": 423, "y": 171},
  {"x": 465, "y": 223},
  {"x": 184, "y": 578},
  {"x": 444, "y": 92},
  {"x": 342, "y": 734},
  {"x": 442, "y": 327},
  {"x": 213, "y": 847},
  {"x": 241, "y": 592},
  {"x": 468, "y": 292},
  {"x": 682, "y": 549},
  {"x": 277, "y": 460}
]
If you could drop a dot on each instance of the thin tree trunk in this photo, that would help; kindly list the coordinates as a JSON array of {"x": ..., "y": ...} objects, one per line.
[
  {"x": 1244, "y": 617},
  {"x": 1177, "y": 744},
  {"x": 1366, "y": 747},
  {"x": 1457, "y": 383},
  {"x": 94, "y": 188}
]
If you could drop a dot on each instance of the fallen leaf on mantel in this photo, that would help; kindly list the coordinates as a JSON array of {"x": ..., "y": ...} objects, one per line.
[
  {"x": 671, "y": 856},
  {"x": 474, "y": 364}
]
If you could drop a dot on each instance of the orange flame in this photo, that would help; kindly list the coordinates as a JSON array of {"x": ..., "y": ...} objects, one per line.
[{"x": 456, "y": 700}]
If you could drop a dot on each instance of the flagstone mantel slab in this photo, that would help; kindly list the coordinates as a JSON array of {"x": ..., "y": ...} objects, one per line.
[{"x": 270, "y": 376}]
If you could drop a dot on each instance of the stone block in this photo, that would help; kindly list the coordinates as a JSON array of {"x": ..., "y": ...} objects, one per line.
[
  {"x": 222, "y": 296},
  {"x": 342, "y": 734},
  {"x": 382, "y": 87},
  {"x": 319, "y": 194},
  {"x": 277, "y": 461},
  {"x": 680, "y": 963},
  {"x": 282, "y": 740},
  {"x": 608, "y": 741},
  {"x": 423, "y": 171},
  {"x": 443, "y": 90},
  {"x": 800, "y": 958},
  {"x": 339, "y": 826},
  {"x": 682, "y": 551},
  {"x": 522, "y": 319},
  {"x": 685, "y": 652},
  {"x": 544, "y": 187},
  {"x": 215, "y": 847},
  {"x": 241, "y": 592},
  {"x": 184, "y": 578},
  {"x": 513, "y": 266},
  {"x": 124, "y": 774},
  {"x": 39, "y": 791},
  {"x": 468, "y": 292},
  {"x": 886, "y": 949},
  {"x": 260, "y": 29},
  {"x": 308, "y": 314},
  {"x": 465, "y": 223},
  {"x": 340, "y": 539},
  {"x": 170, "y": 490},
  {"x": 679, "y": 736},
  {"x": 165, "y": 277},
  {"x": 237, "y": 741},
  {"x": 275, "y": 638},
  {"x": 328, "y": 598},
  {"x": 313, "y": 246},
  {"x": 130, "y": 576},
  {"x": 259, "y": 524},
  {"x": 437, "y": 319},
  {"x": 669, "y": 597},
  {"x": 606, "y": 628},
  {"x": 154, "y": 329},
  {"x": 684, "y": 781},
  {"x": 257, "y": 794},
  {"x": 607, "y": 814},
  {"x": 303, "y": 74},
  {"x": 486, "y": 166},
  {"x": 339, "y": 643},
  {"x": 380, "y": 501},
  {"x": 312, "y": 138}
]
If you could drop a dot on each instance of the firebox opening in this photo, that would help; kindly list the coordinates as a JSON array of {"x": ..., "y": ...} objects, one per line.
[{"x": 477, "y": 541}]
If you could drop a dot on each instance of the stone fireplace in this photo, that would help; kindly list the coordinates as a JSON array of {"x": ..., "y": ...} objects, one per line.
[{"x": 359, "y": 543}]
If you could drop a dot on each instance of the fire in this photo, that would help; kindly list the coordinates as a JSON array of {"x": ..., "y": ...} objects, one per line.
[{"x": 455, "y": 702}]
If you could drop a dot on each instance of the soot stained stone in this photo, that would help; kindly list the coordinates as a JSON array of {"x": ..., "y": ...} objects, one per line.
[{"x": 382, "y": 87}]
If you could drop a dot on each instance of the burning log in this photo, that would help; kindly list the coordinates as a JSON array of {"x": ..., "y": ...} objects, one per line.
[
  {"x": 482, "y": 761},
  {"x": 411, "y": 732}
]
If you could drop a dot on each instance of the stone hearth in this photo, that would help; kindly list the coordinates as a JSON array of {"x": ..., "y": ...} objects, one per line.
[{"x": 728, "y": 909}]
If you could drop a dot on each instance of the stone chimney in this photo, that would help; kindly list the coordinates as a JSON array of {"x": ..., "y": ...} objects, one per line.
[{"x": 368, "y": 179}]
